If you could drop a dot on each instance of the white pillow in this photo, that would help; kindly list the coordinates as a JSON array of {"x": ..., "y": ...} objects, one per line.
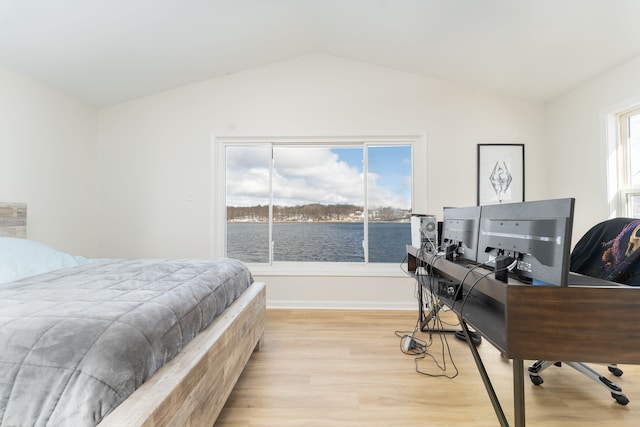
[{"x": 23, "y": 258}]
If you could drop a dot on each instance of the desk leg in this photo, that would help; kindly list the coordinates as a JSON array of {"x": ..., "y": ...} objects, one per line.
[
  {"x": 518, "y": 392},
  {"x": 485, "y": 377}
]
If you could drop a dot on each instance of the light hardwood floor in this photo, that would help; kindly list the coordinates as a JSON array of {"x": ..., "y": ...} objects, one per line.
[{"x": 345, "y": 368}]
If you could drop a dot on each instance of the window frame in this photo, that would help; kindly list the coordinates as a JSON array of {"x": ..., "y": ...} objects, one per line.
[
  {"x": 623, "y": 162},
  {"x": 283, "y": 268}
]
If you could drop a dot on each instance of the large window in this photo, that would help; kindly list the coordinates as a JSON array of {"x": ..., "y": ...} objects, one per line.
[
  {"x": 347, "y": 201},
  {"x": 629, "y": 163}
]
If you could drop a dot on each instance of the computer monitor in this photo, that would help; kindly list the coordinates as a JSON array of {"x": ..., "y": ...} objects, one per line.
[
  {"x": 460, "y": 227},
  {"x": 536, "y": 235}
]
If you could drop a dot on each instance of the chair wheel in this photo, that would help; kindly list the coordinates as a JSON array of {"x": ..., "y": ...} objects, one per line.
[
  {"x": 620, "y": 398},
  {"x": 616, "y": 371},
  {"x": 537, "y": 379}
]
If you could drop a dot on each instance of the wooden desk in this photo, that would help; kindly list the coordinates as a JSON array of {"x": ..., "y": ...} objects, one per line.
[{"x": 588, "y": 321}]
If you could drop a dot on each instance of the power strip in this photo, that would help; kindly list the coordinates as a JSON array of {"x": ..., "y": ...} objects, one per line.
[{"x": 408, "y": 343}]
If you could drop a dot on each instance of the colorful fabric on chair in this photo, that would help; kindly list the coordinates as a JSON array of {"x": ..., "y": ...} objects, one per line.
[{"x": 610, "y": 250}]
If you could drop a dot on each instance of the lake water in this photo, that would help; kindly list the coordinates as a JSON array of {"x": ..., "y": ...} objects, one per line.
[{"x": 318, "y": 241}]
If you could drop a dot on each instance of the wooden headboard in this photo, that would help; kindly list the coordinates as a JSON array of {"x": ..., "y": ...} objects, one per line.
[{"x": 13, "y": 219}]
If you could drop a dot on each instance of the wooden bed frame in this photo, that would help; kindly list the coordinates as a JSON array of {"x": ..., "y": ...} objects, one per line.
[{"x": 193, "y": 387}]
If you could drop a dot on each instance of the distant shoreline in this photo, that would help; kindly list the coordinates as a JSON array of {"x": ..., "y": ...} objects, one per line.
[{"x": 296, "y": 221}]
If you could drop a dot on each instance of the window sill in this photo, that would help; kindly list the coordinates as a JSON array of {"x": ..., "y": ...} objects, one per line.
[{"x": 329, "y": 269}]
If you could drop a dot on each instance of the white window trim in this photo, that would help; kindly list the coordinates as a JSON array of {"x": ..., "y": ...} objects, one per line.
[
  {"x": 626, "y": 189},
  {"x": 326, "y": 269},
  {"x": 617, "y": 189}
]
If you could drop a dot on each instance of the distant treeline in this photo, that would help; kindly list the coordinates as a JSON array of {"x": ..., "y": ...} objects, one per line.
[{"x": 314, "y": 212}]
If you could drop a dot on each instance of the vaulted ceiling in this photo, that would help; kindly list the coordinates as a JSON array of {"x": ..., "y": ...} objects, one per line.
[{"x": 104, "y": 52}]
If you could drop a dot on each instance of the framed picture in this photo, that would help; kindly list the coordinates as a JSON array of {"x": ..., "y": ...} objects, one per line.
[{"x": 500, "y": 173}]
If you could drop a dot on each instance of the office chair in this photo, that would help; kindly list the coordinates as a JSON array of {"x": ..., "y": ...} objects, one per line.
[{"x": 610, "y": 251}]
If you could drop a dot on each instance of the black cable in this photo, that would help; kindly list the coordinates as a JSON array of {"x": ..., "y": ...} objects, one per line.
[
  {"x": 418, "y": 347},
  {"x": 402, "y": 263},
  {"x": 464, "y": 300},
  {"x": 445, "y": 350},
  {"x": 461, "y": 283}
]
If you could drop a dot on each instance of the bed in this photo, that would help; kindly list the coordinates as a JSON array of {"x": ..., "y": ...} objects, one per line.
[{"x": 191, "y": 355}]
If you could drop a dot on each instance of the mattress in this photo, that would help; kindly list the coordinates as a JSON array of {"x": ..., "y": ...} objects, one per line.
[{"x": 77, "y": 341}]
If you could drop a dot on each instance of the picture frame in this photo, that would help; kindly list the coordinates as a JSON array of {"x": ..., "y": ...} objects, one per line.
[{"x": 500, "y": 173}]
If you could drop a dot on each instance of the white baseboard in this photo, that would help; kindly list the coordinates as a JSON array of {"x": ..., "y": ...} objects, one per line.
[{"x": 342, "y": 305}]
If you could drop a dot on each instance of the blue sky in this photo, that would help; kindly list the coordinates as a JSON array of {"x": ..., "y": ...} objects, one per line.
[
  {"x": 319, "y": 175},
  {"x": 391, "y": 166}
]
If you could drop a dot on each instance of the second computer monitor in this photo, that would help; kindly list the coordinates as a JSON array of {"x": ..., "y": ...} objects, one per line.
[{"x": 460, "y": 227}]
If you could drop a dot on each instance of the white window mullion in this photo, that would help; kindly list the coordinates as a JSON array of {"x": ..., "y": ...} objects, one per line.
[
  {"x": 271, "y": 242},
  {"x": 365, "y": 222},
  {"x": 623, "y": 164}
]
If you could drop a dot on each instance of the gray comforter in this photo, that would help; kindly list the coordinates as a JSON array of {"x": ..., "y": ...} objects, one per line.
[{"x": 76, "y": 342}]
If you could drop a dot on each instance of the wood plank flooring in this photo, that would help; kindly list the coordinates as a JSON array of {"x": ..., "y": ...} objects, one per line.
[{"x": 345, "y": 368}]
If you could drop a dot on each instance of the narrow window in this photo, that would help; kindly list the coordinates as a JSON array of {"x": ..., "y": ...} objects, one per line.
[
  {"x": 248, "y": 188},
  {"x": 388, "y": 202},
  {"x": 629, "y": 163}
]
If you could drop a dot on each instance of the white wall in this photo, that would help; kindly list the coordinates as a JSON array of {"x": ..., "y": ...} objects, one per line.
[
  {"x": 578, "y": 154},
  {"x": 132, "y": 185},
  {"x": 153, "y": 151},
  {"x": 47, "y": 155}
]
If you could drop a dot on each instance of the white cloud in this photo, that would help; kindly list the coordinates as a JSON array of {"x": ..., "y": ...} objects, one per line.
[{"x": 301, "y": 175}]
